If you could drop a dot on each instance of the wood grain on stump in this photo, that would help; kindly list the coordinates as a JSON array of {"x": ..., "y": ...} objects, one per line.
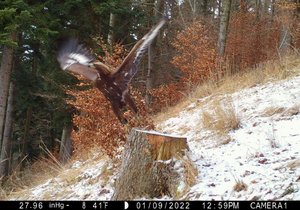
[{"x": 145, "y": 170}]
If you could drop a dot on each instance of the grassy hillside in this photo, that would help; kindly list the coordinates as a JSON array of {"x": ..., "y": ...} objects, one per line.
[{"x": 238, "y": 129}]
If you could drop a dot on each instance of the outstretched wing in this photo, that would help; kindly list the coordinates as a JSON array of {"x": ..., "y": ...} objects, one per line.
[
  {"x": 73, "y": 57},
  {"x": 129, "y": 66}
]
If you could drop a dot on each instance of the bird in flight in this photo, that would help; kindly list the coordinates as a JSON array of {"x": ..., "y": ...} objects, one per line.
[{"x": 112, "y": 82}]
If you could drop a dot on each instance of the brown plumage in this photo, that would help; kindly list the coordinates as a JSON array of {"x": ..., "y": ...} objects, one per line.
[{"x": 113, "y": 83}]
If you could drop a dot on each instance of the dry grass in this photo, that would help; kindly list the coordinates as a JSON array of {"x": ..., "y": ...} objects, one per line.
[
  {"x": 281, "y": 111},
  {"x": 239, "y": 186},
  {"x": 293, "y": 164},
  {"x": 291, "y": 111},
  {"x": 273, "y": 70},
  {"x": 171, "y": 111},
  {"x": 284, "y": 68},
  {"x": 106, "y": 174},
  {"x": 270, "y": 111},
  {"x": 222, "y": 118},
  {"x": 191, "y": 172},
  {"x": 40, "y": 171},
  {"x": 61, "y": 185},
  {"x": 189, "y": 175},
  {"x": 19, "y": 183},
  {"x": 32, "y": 173}
]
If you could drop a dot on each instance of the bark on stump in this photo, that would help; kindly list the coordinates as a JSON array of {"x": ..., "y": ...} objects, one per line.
[{"x": 146, "y": 170}]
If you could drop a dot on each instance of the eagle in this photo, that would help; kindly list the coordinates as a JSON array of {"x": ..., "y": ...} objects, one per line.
[{"x": 113, "y": 83}]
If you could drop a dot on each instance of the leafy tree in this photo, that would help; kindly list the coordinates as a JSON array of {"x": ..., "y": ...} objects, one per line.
[{"x": 41, "y": 111}]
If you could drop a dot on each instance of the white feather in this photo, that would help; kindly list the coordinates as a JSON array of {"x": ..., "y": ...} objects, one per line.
[
  {"x": 80, "y": 58},
  {"x": 71, "y": 52},
  {"x": 148, "y": 38}
]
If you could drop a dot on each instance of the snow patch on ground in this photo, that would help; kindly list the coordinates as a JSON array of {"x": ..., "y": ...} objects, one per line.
[
  {"x": 85, "y": 180},
  {"x": 263, "y": 153}
]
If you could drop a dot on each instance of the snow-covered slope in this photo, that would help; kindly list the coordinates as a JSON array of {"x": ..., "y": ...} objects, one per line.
[
  {"x": 258, "y": 160},
  {"x": 263, "y": 154}
]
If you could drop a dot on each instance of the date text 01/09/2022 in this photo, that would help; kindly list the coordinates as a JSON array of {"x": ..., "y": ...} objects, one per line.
[{"x": 142, "y": 205}]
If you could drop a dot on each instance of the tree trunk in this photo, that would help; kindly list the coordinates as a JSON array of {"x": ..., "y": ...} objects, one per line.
[
  {"x": 110, "y": 36},
  {"x": 258, "y": 9},
  {"x": 6, "y": 143},
  {"x": 159, "y": 6},
  {"x": 266, "y": 7},
  {"x": 224, "y": 22},
  {"x": 204, "y": 8},
  {"x": 66, "y": 146},
  {"x": 181, "y": 13},
  {"x": 149, "y": 78},
  {"x": 298, "y": 7},
  {"x": 5, "y": 73},
  {"x": 26, "y": 137},
  {"x": 25, "y": 141},
  {"x": 193, "y": 6},
  {"x": 272, "y": 9},
  {"x": 285, "y": 39},
  {"x": 219, "y": 7},
  {"x": 148, "y": 163},
  {"x": 286, "y": 16}
]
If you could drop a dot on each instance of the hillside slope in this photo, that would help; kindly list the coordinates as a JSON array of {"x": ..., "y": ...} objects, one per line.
[
  {"x": 258, "y": 160},
  {"x": 245, "y": 145}
]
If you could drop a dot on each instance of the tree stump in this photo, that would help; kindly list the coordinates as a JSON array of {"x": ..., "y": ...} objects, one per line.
[{"x": 147, "y": 168}]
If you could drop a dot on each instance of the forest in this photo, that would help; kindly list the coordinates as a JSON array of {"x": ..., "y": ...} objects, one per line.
[{"x": 45, "y": 111}]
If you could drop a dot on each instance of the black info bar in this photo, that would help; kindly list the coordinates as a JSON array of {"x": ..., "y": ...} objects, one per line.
[{"x": 145, "y": 205}]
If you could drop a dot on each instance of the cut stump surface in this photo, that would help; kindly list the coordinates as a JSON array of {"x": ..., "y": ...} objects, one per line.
[{"x": 145, "y": 170}]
